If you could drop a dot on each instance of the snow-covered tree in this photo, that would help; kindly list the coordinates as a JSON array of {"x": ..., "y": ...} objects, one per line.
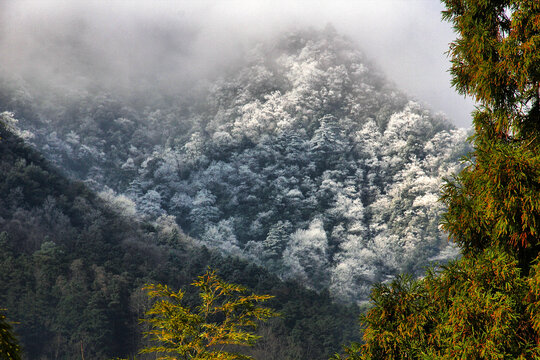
[{"x": 306, "y": 256}]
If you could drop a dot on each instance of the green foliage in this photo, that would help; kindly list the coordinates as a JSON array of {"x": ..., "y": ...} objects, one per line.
[
  {"x": 71, "y": 271},
  {"x": 495, "y": 200},
  {"x": 225, "y": 314},
  {"x": 485, "y": 305},
  {"x": 351, "y": 352},
  {"x": 474, "y": 308},
  {"x": 496, "y": 57},
  {"x": 9, "y": 345}
]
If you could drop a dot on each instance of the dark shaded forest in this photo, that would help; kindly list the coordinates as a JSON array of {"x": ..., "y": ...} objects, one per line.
[{"x": 72, "y": 269}]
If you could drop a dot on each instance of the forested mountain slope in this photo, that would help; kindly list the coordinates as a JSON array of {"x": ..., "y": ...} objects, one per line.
[
  {"x": 72, "y": 268},
  {"x": 303, "y": 159}
]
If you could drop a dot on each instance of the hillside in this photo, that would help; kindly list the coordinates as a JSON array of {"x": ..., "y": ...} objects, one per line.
[
  {"x": 303, "y": 159},
  {"x": 72, "y": 268}
]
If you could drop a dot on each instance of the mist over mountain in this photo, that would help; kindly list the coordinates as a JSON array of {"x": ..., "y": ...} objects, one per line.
[
  {"x": 302, "y": 158},
  {"x": 73, "y": 264},
  {"x": 168, "y": 44}
]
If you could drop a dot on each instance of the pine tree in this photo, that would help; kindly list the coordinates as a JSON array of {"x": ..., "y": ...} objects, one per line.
[{"x": 485, "y": 305}]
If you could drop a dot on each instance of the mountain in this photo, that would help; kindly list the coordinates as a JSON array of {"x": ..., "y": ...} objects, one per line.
[
  {"x": 73, "y": 264},
  {"x": 302, "y": 159}
]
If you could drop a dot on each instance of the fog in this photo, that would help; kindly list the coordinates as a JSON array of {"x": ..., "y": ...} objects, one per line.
[{"x": 169, "y": 44}]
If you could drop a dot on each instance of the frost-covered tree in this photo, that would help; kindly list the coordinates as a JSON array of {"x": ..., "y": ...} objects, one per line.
[
  {"x": 306, "y": 256},
  {"x": 150, "y": 204},
  {"x": 221, "y": 236},
  {"x": 203, "y": 211},
  {"x": 303, "y": 131},
  {"x": 276, "y": 240}
]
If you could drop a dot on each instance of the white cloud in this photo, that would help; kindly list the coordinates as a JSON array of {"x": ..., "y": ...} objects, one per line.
[{"x": 406, "y": 38}]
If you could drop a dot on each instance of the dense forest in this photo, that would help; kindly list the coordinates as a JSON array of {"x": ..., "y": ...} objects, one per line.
[
  {"x": 302, "y": 159},
  {"x": 72, "y": 268},
  {"x": 299, "y": 172}
]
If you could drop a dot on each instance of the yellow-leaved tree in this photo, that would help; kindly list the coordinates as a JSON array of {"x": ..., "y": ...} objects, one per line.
[
  {"x": 9, "y": 345},
  {"x": 226, "y": 316}
]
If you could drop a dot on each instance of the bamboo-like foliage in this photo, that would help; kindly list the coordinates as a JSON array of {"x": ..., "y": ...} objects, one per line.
[
  {"x": 485, "y": 305},
  {"x": 226, "y": 316},
  {"x": 496, "y": 58},
  {"x": 495, "y": 200},
  {"x": 475, "y": 308}
]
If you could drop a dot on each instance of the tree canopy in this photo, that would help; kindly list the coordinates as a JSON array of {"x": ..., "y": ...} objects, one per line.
[
  {"x": 226, "y": 315},
  {"x": 495, "y": 199},
  {"x": 72, "y": 267},
  {"x": 304, "y": 135}
]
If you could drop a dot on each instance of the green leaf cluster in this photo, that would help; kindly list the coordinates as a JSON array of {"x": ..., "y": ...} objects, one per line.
[
  {"x": 474, "y": 308},
  {"x": 495, "y": 200}
]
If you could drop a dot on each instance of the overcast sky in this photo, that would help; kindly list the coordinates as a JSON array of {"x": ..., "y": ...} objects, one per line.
[{"x": 406, "y": 38}]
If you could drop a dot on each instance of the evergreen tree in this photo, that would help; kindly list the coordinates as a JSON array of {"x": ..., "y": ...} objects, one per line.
[
  {"x": 495, "y": 200},
  {"x": 484, "y": 305},
  {"x": 276, "y": 240},
  {"x": 9, "y": 346}
]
